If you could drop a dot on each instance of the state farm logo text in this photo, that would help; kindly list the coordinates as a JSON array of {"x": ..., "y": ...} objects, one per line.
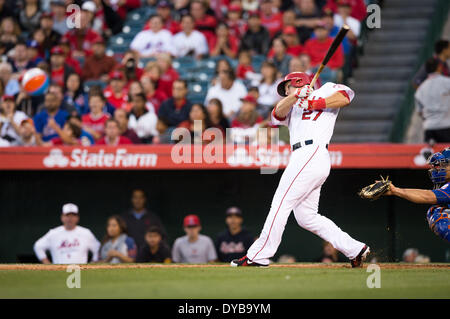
[{"x": 100, "y": 159}]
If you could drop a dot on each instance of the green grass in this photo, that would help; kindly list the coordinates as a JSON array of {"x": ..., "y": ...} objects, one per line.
[{"x": 186, "y": 283}]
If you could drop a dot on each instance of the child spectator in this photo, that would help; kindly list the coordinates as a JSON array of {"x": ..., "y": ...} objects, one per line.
[
  {"x": 117, "y": 246},
  {"x": 223, "y": 43},
  {"x": 154, "y": 249},
  {"x": 94, "y": 122},
  {"x": 112, "y": 135},
  {"x": 164, "y": 131},
  {"x": 245, "y": 65},
  {"x": 193, "y": 247},
  {"x": 69, "y": 135},
  {"x": 235, "y": 240},
  {"x": 121, "y": 116},
  {"x": 116, "y": 92},
  {"x": 51, "y": 110},
  {"x": 141, "y": 120},
  {"x": 86, "y": 139}
]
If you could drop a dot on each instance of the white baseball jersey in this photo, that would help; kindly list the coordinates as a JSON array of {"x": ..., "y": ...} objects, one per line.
[
  {"x": 148, "y": 42},
  {"x": 68, "y": 246},
  {"x": 195, "y": 41},
  {"x": 315, "y": 125}
]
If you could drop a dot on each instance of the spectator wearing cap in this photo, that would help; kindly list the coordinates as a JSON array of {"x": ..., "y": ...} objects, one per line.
[
  {"x": 317, "y": 48},
  {"x": 270, "y": 17},
  {"x": 112, "y": 135},
  {"x": 256, "y": 39},
  {"x": 30, "y": 15},
  {"x": 83, "y": 38},
  {"x": 20, "y": 61},
  {"x": 433, "y": 104},
  {"x": 33, "y": 52},
  {"x": 98, "y": 65},
  {"x": 164, "y": 10},
  {"x": 307, "y": 17},
  {"x": 59, "y": 70},
  {"x": 235, "y": 22},
  {"x": 139, "y": 219},
  {"x": 94, "y": 122},
  {"x": 150, "y": 42},
  {"x": 343, "y": 17},
  {"x": 52, "y": 37},
  {"x": 58, "y": 9},
  {"x": 70, "y": 61},
  {"x": 121, "y": 116},
  {"x": 223, "y": 43},
  {"x": 155, "y": 250},
  {"x": 176, "y": 109},
  {"x": 11, "y": 85},
  {"x": 358, "y": 8},
  {"x": 68, "y": 135},
  {"x": 190, "y": 42},
  {"x": 229, "y": 91},
  {"x": 205, "y": 23},
  {"x": 141, "y": 120},
  {"x": 51, "y": 111},
  {"x": 116, "y": 92},
  {"x": 289, "y": 35},
  {"x": 10, "y": 120},
  {"x": 280, "y": 56},
  {"x": 27, "y": 133},
  {"x": 441, "y": 55},
  {"x": 267, "y": 87},
  {"x": 233, "y": 242},
  {"x": 117, "y": 247},
  {"x": 245, "y": 126},
  {"x": 68, "y": 243},
  {"x": 193, "y": 247}
]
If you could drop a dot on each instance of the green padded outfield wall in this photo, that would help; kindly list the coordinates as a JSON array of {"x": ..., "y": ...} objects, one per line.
[{"x": 30, "y": 204}]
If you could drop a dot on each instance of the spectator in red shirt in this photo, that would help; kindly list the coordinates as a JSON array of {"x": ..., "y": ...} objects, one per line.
[
  {"x": 223, "y": 43},
  {"x": 122, "y": 7},
  {"x": 234, "y": 20},
  {"x": 244, "y": 65},
  {"x": 204, "y": 23},
  {"x": 289, "y": 35},
  {"x": 69, "y": 135},
  {"x": 155, "y": 97},
  {"x": 58, "y": 69},
  {"x": 271, "y": 18},
  {"x": 121, "y": 116},
  {"x": 116, "y": 92},
  {"x": 317, "y": 49},
  {"x": 198, "y": 120},
  {"x": 83, "y": 38},
  {"x": 129, "y": 66},
  {"x": 358, "y": 8},
  {"x": 70, "y": 61},
  {"x": 98, "y": 65},
  {"x": 112, "y": 135},
  {"x": 163, "y": 9},
  {"x": 168, "y": 73},
  {"x": 94, "y": 122}
]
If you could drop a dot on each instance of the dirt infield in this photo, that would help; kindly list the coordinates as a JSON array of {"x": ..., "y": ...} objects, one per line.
[{"x": 141, "y": 266}]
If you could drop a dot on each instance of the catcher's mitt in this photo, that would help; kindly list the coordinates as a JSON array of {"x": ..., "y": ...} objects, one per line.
[{"x": 375, "y": 190}]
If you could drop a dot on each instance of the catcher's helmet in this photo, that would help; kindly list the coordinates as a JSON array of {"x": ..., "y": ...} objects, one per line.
[
  {"x": 298, "y": 79},
  {"x": 439, "y": 162}
]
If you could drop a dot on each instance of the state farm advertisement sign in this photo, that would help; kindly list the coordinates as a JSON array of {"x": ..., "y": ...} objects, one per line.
[{"x": 173, "y": 157}]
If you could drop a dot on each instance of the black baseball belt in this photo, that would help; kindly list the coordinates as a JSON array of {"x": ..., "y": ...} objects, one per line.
[{"x": 302, "y": 144}]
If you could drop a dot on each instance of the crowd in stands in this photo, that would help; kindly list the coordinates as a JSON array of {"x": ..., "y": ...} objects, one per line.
[
  {"x": 432, "y": 96},
  {"x": 139, "y": 236},
  {"x": 101, "y": 96}
]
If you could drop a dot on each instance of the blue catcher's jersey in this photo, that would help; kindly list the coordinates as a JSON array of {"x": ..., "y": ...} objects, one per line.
[{"x": 438, "y": 216}]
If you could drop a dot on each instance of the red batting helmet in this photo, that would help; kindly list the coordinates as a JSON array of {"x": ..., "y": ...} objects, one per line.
[{"x": 298, "y": 79}]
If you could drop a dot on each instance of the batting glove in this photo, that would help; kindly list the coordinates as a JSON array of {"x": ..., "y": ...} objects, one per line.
[{"x": 303, "y": 92}]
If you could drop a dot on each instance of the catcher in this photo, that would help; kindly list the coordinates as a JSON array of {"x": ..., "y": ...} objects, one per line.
[{"x": 438, "y": 215}]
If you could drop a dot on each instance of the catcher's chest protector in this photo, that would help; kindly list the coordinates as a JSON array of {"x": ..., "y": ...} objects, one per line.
[{"x": 438, "y": 218}]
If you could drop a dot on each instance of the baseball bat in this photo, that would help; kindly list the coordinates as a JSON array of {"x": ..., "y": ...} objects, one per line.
[{"x": 333, "y": 47}]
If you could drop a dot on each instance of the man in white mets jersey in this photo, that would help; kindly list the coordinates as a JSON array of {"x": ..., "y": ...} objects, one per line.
[
  {"x": 69, "y": 243},
  {"x": 310, "y": 116}
]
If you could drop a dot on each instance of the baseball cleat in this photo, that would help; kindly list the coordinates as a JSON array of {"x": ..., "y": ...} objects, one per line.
[
  {"x": 244, "y": 261},
  {"x": 358, "y": 261}
]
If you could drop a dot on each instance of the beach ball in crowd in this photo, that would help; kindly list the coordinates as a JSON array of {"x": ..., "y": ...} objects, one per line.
[{"x": 35, "y": 81}]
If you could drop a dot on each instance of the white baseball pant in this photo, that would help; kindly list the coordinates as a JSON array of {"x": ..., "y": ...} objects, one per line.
[{"x": 299, "y": 190}]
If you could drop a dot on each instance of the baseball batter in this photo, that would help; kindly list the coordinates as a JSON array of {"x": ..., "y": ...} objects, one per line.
[{"x": 310, "y": 116}]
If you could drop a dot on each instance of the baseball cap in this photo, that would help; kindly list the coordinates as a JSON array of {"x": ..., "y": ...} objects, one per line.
[
  {"x": 116, "y": 75},
  {"x": 8, "y": 98},
  {"x": 58, "y": 3},
  {"x": 249, "y": 98},
  {"x": 32, "y": 44},
  {"x": 289, "y": 30},
  {"x": 344, "y": 3},
  {"x": 89, "y": 6},
  {"x": 234, "y": 8},
  {"x": 57, "y": 50},
  {"x": 69, "y": 208},
  {"x": 28, "y": 120},
  {"x": 163, "y": 4},
  {"x": 234, "y": 211},
  {"x": 191, "y": 220},
  {"x": 253, "y": 13}
]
